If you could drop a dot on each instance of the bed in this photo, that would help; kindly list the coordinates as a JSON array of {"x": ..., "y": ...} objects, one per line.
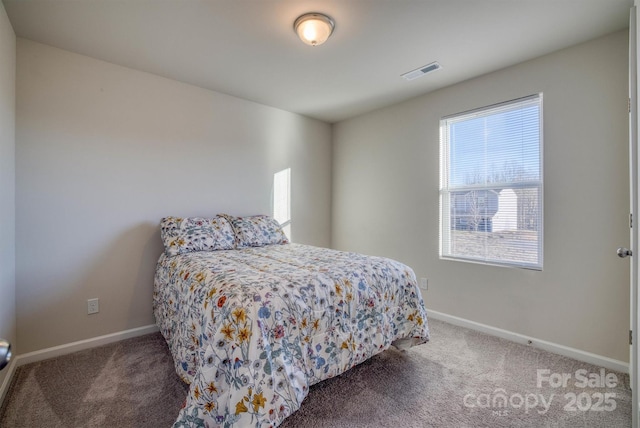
[{"x": 252, "y": 321}]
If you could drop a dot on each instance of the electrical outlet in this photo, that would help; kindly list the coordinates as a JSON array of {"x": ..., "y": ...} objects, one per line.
[
  {"x": 93, "y": 306},
  {"x": 424, "y": 284}
]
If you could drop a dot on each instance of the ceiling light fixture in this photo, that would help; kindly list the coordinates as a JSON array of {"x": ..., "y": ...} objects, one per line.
[{"x": 313, "y": 28}]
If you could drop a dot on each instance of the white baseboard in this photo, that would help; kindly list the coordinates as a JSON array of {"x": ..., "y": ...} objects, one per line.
[
  {"x": 56, "y": 351},
  {"x": 576, "y": 354},
  {"x": 10, "y": 370}
]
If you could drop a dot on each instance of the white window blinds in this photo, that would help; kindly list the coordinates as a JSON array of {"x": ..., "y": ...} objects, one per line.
[{"x": 491, "y": 184}]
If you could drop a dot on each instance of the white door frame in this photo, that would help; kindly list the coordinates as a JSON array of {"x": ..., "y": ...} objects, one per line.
[{"x": 634, "y": 187}]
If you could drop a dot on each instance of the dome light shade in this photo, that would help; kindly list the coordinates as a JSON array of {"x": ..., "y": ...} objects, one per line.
[{"x": 313, "y": 28}]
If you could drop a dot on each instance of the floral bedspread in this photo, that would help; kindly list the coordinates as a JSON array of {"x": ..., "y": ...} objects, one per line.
[{"x": 250, "y": 330}]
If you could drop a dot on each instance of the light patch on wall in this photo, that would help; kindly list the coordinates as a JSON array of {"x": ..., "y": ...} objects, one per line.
[{"x": 282, "y": 200}]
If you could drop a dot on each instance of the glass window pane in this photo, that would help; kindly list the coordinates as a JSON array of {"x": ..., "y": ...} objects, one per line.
[{"x": 491, "y": 184}]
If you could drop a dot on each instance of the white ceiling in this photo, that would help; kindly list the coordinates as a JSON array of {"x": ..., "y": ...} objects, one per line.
[{"x": 247, "y": 48}]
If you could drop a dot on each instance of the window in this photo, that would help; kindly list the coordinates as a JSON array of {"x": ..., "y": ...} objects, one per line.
[
  {"x": 282, "y": 200},
  {"x": 491, "y": 184}
]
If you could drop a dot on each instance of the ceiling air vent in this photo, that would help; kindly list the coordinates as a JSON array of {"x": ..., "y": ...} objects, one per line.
[{"x": 419, "y": 72}]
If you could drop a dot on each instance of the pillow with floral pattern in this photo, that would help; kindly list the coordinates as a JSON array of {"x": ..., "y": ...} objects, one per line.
[
  {"x": 257, "y": 231},
  {"x": 185, "y": 235}
]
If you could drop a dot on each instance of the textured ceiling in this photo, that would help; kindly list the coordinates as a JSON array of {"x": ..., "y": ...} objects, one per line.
[{"x": 247, "y": 48}]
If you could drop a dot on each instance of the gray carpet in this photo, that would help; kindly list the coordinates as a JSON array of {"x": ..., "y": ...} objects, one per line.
[{"x": 132, "y": 384}]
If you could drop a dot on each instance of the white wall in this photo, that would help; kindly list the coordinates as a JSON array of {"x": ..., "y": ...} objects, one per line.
[
  {"x": 103, "y": 152},
  {"x": 7, "y": 181},
  {"x": 385, "y": 198}
]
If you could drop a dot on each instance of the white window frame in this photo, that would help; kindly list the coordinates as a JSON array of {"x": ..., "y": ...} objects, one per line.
[{"x": 446, "y": 189}]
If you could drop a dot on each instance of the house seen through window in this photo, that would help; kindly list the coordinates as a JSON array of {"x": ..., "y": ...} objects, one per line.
[
  {"x": 282, "y": 200},
  {"x": 491, "y": 184}
]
